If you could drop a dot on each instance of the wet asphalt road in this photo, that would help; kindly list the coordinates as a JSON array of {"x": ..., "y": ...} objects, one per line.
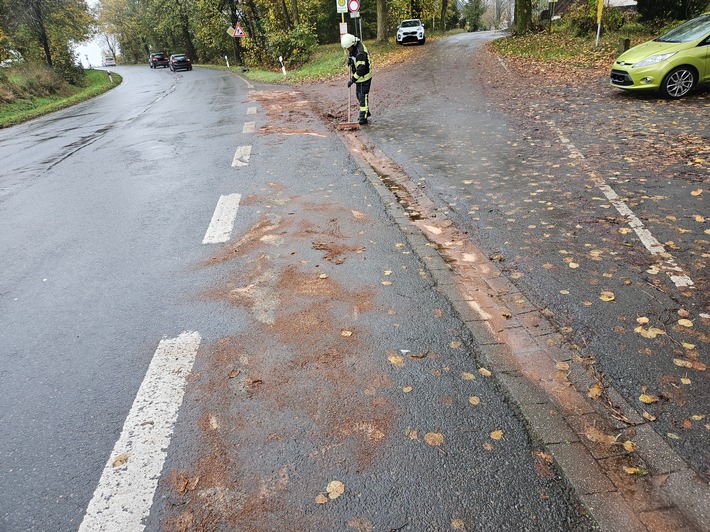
[
  {"x": 326, "y": 354},
  {"x": 520, "y": 173}
]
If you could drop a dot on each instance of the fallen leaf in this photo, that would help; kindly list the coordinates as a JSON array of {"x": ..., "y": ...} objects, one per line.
[
  {"x": 688, "y": 346},
  {"x": 455, "y": 345},
  {"x": 335, "y": 489},
  {"x": 386, "y": 283},
  {"x": 607, "y": 296},
  {"x": 488, "y": 446},
  {"x": 346, "y": 334},
  {"x": 323, "y": 276},
  {"x": 321, "y": 498},
  {"x": 562, "y": 366},
  {"x": 696, "y": 192},
  {"x": 673, "y": 435},
  {"x": 465, "y": 375},
  {"x": 407, "y": 389},
  {"x": 484, "y": 372},
  {"x": 648, "y": 398},
  {"x": 648, "y": 416},
  {"x": 635, "y": 471},
  {"x": 233, "y": 373},
  {"x": 682, "y": 363},
  {"x": 396, "y": 360},
  {"x": 458, "y": 524},
  {"x": 474, "y": 400},
  {"x": 497, "y": 434},
  {"x": 686, "y": 381},
  {"x": 685, "y": 323},
  {"x": 630, "y": 446},
  {"x": 120, "y": 460},
  {"x": 596, "y": 391},
  {"x": 642, "y": 320},
  {"x": 434, "y": 439},
  {"x": 598, "y": 436}
]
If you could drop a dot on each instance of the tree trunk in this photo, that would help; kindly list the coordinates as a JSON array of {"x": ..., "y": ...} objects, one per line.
[
  {"x": 289, "y": 26},
  {"x": 382, "y": 21},
  {"x": 523, "y": 16},
  {"x": 294, "y": 12},
  {"x": 444, "y": 9}
]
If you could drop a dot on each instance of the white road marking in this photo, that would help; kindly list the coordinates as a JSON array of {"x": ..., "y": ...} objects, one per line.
[
  {"x": 220, "y": 229},
  {"x": 124, "y": 495},
  {"x": 249, "y": 127},
  {"x": 668, "y": 264},
  {"x": 251, "y": 110},
  {"x": 241, "y": 156}
]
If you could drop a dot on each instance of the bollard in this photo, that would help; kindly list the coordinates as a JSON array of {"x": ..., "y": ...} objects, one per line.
[{"x": 624, "y": 44}]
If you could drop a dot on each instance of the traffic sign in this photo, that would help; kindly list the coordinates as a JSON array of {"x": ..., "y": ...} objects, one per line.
[
  {"x": 341, "y": 6},
  {"x": 354, "y": 6},
  {"x": 238, "y": 31}
]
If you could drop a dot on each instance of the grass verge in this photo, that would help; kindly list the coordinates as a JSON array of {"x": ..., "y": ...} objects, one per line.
[{"x": 97, "y": 82}]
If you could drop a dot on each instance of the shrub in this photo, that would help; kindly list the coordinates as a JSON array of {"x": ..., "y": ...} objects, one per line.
[
  {"x": 582, "y": 18},
  {"x": 296, "y": 46}
]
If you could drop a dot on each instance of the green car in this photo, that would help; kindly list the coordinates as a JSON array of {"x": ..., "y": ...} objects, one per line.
[{"x": 673, "y": 63}]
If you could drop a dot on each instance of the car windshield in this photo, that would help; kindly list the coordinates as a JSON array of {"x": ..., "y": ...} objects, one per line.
[
  {"x": 411, "y": 23},
  {"x": 179, "y": 57},
  {"x": 689, "y": 31}
]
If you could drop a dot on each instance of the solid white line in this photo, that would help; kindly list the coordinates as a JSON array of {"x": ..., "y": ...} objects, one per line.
[
  {"x": 125, "y": 492},
  {"x": 251, "y": 110},
  {"x": 241, "y": 156},
  {"x": 668, "y": 265},
  {"x": 220, "y": 229},
  {"x": 249, "y": 127}
]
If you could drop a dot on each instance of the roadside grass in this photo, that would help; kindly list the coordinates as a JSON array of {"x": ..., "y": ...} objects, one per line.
[
  {"x": 21, "y": 110},
  {"x": 329, "y": 61}
]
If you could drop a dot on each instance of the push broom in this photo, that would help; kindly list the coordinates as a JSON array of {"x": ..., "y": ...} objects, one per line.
[{"x": 349, "y": 125}]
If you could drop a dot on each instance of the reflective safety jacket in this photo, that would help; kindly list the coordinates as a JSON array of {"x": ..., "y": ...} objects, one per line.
[{"x": 360, "y": 64}]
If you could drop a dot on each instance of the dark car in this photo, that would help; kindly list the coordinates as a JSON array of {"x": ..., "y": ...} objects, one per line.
[
  {"x": 180, "y": 62},
  {"x": 158, "y": 59}
]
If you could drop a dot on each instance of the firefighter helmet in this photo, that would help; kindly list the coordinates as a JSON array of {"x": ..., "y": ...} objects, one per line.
[{"x": 347, "y": 40}]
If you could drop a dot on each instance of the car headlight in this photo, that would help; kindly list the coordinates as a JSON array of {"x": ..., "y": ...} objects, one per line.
[{"x": 653, "y": 60}]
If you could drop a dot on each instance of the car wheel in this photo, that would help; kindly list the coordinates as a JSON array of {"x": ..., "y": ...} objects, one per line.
[
  {"x": 190, "y": 68},
  {"x": 422, "y": 41},
  {"x": 678, "y": 82}
]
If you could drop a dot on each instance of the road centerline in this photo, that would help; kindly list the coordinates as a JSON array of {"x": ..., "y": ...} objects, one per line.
[
  {"x": 124, "y": 495},
  {"x": 220, "y": 228}
]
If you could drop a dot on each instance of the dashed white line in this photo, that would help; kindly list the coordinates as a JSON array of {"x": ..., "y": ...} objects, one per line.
[
  {"x": 241, "y": 156},
  {"x": 668, "y": 264},
  {"x": 124, "y": 495},
  {"x": 249, "y": 127},
  {"x": 220, "y": 228}
]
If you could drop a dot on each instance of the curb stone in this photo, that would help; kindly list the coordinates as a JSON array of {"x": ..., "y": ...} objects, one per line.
[{"x": 684, "y": 496}]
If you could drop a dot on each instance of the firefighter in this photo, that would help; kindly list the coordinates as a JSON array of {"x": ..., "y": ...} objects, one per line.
[{"x": 361, "y": 68}]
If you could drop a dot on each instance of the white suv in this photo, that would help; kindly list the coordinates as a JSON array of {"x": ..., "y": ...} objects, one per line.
[{"x": 411, "y": 30}]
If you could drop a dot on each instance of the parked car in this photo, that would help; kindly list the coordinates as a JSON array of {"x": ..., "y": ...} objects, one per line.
[
  {"x": 158, "y": 59},
  {"x": 673, "y": 63},
  {"x": 108, "y": 61},
  {"x": 411, "y": 30},
  {"x": 180, "y": 62}
]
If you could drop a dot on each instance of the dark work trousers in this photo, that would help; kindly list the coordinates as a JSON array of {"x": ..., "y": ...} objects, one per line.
[{"x": 361, "y": 92}]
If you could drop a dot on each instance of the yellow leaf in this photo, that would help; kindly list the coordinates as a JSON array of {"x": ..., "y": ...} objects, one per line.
[
  {"x": 635, "y": 471},
  {"x": 323, "y": 276},
  {"x": 455, "y": 345},
  {"x": 346, "y": 334},
  {"x": 682, "y": 363},
  {"x": 465, "y": 375},
  {"x": 648, "y": 416},
  {"x": 484, "y": 372},
  {"x": 607, "y": 296},
  {"x": 458, "y": 524},
  {"x": 562, "y": 366},
  {"x": 648, "y": 398},
  {"x": 407, "y": 389},
  {"x": 474, "y": 400},
  {"x": 624, "y": 230},
  {"x": 696, "y": 192},
  {"x": 673, "y": 435},
  {"x": 686, "y": 381},
  {"x": 497, "y": 434},
  {"x": 388, "y": 272},
  {"x": 697, "y": 417},
  {"x": 386, "y": 283},
  {"x": 630, "y": 446},
  {"x": 699, "y": 219},
  {"x": 688, "y": 346},
  {"x": 120, "y": 460},
  {"x": 335, "y": 489},
  {"x": 573, "y": 265},
  {"x": 596, "y": 391},
  {"x": 685, "y": 323},
  {"x": 321, "y": 498},
  {"x": 434, "y": 439},
  {"x": 396, "y": 360},
  {"x": 642, "y": 320},
  {"x": 488, "y": 446}
]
